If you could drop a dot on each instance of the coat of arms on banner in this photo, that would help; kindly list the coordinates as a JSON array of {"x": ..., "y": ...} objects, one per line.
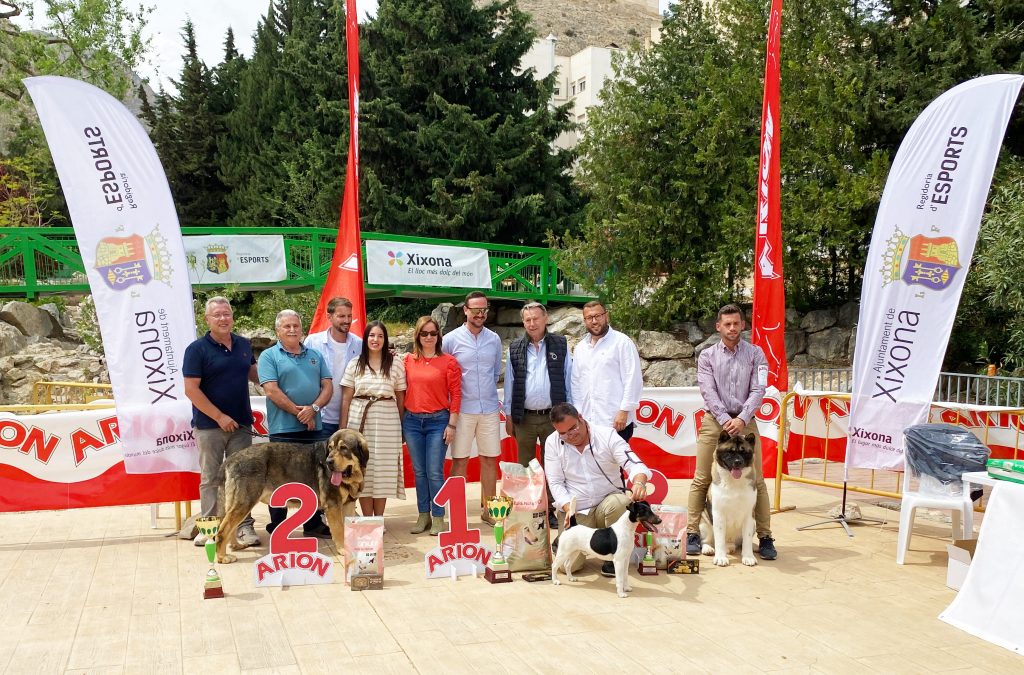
[
  {"x": 926, "y": 261},
  {"x": 217, "y": 258},
  {"x": 123, "y": 261}
]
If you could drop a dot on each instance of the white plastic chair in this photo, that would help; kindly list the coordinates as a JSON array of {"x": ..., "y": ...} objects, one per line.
[{"x": 960, "y": 506}]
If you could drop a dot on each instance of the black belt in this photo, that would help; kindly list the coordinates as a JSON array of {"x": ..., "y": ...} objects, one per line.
[{"x": 545, "y": 411}]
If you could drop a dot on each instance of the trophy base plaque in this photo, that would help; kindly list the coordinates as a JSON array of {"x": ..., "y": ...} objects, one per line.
[
  {"x": 497, "y": 573},
  {"x": 647, "y": 568},
  {"x": 213, "y": 589}
]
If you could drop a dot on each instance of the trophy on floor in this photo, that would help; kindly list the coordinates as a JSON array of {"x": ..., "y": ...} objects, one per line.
[
  {"x": 648, "y": 568},
  {"x": 497, "y": 571},
  {"x": 208, "y": 526}
]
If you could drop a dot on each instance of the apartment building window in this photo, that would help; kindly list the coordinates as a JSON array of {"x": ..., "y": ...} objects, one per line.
[
  {"x": 583, "y": 84},
  {"x": 573, "y": 88}
]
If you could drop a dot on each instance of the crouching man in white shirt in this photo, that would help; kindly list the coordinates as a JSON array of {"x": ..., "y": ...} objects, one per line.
[{"x": 586, "y": 462}]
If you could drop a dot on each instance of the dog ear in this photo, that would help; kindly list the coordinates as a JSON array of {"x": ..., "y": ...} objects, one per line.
[
  {"x": 750, "y": 438},
  {"x": 723, "y": 437},
  {"x": 321, "y": 450},
  {"x": 362, "y": 451}
]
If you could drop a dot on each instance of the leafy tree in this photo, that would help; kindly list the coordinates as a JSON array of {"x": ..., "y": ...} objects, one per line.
[
  {"x": 99, "y": 42},
  {"x": 456, "y": 140}
]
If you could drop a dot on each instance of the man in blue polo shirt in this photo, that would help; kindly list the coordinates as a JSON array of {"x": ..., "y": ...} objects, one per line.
[
  {"x": 217, "y": 368},
  {"x": 297, "y": 381}
]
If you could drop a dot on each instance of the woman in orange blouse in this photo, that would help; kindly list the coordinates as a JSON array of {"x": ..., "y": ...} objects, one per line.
[{"x": 432, "y": 400}]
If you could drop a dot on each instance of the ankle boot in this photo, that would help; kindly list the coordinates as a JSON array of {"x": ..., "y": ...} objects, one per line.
[
  {"x": 437, "y": 526},
  {"x": 422, "y": 524}
]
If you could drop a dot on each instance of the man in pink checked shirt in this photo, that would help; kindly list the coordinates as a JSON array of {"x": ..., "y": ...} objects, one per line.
[{"x": 732, "y": 376}]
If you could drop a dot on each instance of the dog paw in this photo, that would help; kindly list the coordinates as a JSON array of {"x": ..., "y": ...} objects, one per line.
[
  {"x": 622, "y": 594},
  {"x": 226, "y": 559},
  {"x": 721, "y": 561},
  {"x": 556, "y": 582},
  {"x": 570, "y": 578},
  {"x": 749, "y": 561},
  {"x": 628, "y": 589},
  {"x": 707, "y": 549}
]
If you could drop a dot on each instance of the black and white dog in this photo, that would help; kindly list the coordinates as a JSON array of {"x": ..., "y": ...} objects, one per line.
[
  {"x": 731, "y": 496},
  {"x": 613, "y": 543}
]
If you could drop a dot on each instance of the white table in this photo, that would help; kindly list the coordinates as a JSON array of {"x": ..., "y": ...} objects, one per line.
[{"x": 978, "y": 478}]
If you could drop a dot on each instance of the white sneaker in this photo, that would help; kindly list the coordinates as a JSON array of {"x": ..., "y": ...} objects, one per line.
[
  {"x": 247, "y": 536},
  {"x": 200, "y": 539}
]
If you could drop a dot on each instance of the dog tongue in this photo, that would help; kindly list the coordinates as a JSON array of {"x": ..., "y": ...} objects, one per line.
[
  {"x": 336, "y": 478},
  {"x": 736, "y": 473}
]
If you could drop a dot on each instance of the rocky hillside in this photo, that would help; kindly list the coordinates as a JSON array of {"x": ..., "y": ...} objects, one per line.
[{"x": 598, "y": 23}]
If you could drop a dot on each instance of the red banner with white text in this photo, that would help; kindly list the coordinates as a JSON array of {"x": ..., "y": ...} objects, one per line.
[{"x": 768, "y": 326}]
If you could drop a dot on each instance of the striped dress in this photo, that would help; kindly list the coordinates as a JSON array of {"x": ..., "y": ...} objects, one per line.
[{"x": 383, "y": 428}]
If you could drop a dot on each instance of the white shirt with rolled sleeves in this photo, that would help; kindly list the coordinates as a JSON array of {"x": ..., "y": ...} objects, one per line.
[
  {"x": 593, "y": 474},
  {"x": 606, "y": 378}
]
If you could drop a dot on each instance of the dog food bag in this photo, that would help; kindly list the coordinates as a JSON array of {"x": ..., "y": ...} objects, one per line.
[
  {"x": 668, "y": 540},
  {"x": 364, "y": 546},
  {"x": 526, "y": 529}
]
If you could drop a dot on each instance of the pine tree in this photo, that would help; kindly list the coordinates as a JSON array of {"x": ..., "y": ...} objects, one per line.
[
  {"x": 198, "y": 191},
  {"x": 456, "y": 140},
  {"x": 283, "y": 154}
]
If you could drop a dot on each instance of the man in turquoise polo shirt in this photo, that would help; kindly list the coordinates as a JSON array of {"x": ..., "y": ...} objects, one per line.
[{"x": 297, "y": 381}]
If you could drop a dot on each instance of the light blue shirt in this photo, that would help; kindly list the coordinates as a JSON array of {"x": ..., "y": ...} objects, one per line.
[
  {"x": 479, "y": 358},
  {"x": 298, "y": 376},
  {"x": 538, "y": 384},
  {"x": 337, "y": 355}
]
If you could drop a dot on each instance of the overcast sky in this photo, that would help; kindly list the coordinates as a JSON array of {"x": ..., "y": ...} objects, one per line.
[{"x": 211, "y": 19}]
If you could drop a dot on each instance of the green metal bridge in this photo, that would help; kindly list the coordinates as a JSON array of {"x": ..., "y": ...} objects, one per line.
[{"x": 45, "y": 261}]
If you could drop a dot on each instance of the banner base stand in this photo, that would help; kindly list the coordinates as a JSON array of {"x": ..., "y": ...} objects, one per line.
[{"x": 841, "y": 518}]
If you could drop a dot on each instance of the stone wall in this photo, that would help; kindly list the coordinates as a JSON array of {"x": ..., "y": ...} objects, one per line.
[{"x": 39, "y": 343}]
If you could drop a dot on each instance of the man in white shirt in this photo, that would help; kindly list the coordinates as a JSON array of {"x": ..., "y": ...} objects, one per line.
[
  {"x": 338, "y": 346},
  {"x": 585, "y": 462},
  {"x": 606, "y": 376}
]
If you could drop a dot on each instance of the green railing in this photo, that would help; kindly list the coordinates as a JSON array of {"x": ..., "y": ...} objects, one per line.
[{"x": 46, "y": 260}]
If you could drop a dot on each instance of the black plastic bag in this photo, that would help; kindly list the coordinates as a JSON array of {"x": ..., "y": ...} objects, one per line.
[{"x": 944, "y": 451}]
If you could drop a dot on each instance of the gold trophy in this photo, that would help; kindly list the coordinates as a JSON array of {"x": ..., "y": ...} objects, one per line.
[
  {"x": 208, "y": 526},
  {"x": 497, "y": 571}
]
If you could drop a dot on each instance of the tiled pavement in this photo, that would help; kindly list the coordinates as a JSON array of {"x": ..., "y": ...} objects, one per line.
[{"x": 98, "y": 591}]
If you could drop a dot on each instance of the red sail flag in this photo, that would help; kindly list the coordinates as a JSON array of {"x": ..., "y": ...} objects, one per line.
[
  {"x": 768, "y": 329},
  {"x": 346, "y": 275},
  {"x": 769, "y": 320}
]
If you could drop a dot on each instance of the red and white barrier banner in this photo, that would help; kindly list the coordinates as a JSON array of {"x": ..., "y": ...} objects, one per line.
[
  {"x": 920, "y": 250},
  {"x": 75, "y": 459},
  {"x": 130, "y": 241}
]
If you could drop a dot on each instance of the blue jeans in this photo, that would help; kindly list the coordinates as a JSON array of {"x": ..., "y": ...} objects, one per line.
[{"x": 424, "y": 435}]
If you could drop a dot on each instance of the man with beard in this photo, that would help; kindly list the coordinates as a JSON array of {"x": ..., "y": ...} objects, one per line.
[
  {"x": 732, "y": 376},
  {"x": 338, "y": 346},
  {"x": 217, "y": 369},
  {"x": 478, "y": 351},
  {"x": 606, "y": 376}
]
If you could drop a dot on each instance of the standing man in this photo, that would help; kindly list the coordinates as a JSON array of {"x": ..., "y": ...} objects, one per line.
[
  {"x": 217, "y": 369},
  {"x": 298, "y": 384},
  {"x": 606, "y": 378},
  {"x": 478, "y": 351},
  {"x": 538, "y": 375},
  {"x": 585, "y": 462},
  {"x": 732, "y": 376},
  {"x": 337, "y": 346}
]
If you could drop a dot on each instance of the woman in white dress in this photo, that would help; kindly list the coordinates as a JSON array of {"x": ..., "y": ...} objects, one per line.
[{"x": 373, "y": 391}]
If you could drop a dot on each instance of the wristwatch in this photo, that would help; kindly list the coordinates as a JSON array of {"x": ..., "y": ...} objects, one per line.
[{"x": 315, "y": 408}]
